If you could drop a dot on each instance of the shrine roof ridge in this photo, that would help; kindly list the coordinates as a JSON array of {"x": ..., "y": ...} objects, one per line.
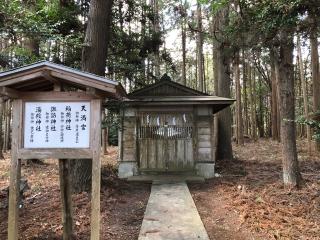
[{"x": 57, "y": 66}]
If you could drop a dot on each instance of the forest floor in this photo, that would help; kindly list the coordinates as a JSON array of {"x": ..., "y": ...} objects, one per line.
[
  {"x": 122, "y": 204},
  {"x": 247, "y": 202}
]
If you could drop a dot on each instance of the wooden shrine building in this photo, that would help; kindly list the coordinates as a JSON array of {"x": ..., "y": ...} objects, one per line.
[{"x": 169, "y": 128}]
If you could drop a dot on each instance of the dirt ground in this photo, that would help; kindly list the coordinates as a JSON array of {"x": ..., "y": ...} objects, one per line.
[
  {"x": 122, "y": 204},
  {"x": 247, "y": 202}
]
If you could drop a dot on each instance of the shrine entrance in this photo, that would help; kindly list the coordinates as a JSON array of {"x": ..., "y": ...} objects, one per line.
[
  {"x": 169, "y": 128},
  {"x": 166, "y": 141}
]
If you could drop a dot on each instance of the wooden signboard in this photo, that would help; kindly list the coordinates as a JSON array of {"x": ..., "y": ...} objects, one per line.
[
  {"x": 57, "y": 115},
  {"x": 60, "y": 126}
]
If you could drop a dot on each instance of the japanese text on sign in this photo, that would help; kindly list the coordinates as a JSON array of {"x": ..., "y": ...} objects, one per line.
[{"x": 57, "y": 125}]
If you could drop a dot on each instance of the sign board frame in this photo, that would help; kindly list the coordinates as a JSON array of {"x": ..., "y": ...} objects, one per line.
[{"x": 18, "y": 152}]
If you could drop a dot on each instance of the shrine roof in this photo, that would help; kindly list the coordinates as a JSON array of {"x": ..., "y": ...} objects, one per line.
[{"x": 42, "y": 76}]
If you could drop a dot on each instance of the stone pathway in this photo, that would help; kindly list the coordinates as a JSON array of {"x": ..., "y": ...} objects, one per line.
[{"x": 171, "y": 214}]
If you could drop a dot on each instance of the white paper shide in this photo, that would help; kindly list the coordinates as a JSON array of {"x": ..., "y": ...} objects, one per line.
[{"x": 57, "y": 125}]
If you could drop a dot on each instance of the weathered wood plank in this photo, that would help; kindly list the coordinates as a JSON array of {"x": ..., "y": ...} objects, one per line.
[
  {"x": 143, "y": 153},
  {"x": 204, "y": 144},
  {"x": 189, "y": 153},
  {"x": 84, "y": 81},
  {"x": 96, "y": 169},
  {"x": 181, "y": 160},
  {"x": 172, "y": 154},
  {"x": 20, "y": 78},
  {"x": 9, "y": 92},
  {"x": 46, "y": 153},
  {"x": 202, "y": 123},
  {"x": 15, "y": 171},
  {"x": 57, "y": 96},
  {"x": 66, "y": 198},
  {"x": 204, "y": 131},
  {"x": 204, "y": 138}
]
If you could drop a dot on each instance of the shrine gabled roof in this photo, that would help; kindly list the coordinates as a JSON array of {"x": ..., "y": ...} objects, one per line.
[
  {"x": 165, "y": 88},
  {"x": 42, "y": 76},
  {"x": 169, "y": 93}
]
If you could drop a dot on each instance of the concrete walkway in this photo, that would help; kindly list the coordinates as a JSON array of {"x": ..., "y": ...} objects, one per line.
[{"x": 171, "y": 214}]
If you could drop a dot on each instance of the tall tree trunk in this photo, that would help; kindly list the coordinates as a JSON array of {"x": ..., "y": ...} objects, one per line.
[
  {"x": 245, "y": 94},
  {"x": 94, "y": 55},
  {"x": 94, "y": 52},
  {"x": 156, "y": 30},
  {"x": 239, "y": 125},
  {"x": 304, "y": 90},
  {"x": 278, "y": 97},
  {"x": 253, "y": 122},
  {"x": 291, "y": 172},
  {"x": 200, "y": 72},
  {"x": 260, "y": 110},
  {"x": 183, "y": 43},
  {"x": 274, "y": 100},
  {"x": 224, "y": 85},
  {"x": 1, "y": 129},
  {"x": 315, "y": 73}
]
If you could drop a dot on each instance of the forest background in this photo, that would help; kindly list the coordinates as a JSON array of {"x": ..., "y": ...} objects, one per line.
[{"x": 262, "y": 53}]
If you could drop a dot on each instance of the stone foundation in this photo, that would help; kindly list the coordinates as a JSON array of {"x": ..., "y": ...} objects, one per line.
[
  {"x": 127, "y": 169},
  {"x": 205, "y": 170}
]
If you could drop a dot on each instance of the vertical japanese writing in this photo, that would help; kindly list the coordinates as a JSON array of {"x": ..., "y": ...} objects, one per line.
[
  {"x": 57, "y": 124},
  {"x": 38, "y": 119},
  {"x": 47, "y": 126},
  {"x": 83, "y": 118},
  {"x": 31, "y": 126},
  {"x": 77, "y": 126},
  {"x": 62, "y": 127},
  {"x": 53, "y": 116},
  {"x": 68, "y": 118}
]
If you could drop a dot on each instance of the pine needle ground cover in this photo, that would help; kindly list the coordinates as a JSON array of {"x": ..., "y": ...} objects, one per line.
[
  {"x": 122, "y": 204},
  {"x": 249, "y": 200}
]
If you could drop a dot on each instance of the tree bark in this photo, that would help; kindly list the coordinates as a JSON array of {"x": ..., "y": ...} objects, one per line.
[
  {"x": 291, "y": 172},
  {"x": 156, "y": 30},
  {"x": 224, "y": 84},
  {"x": 239, "y": 132},
  {"x": 245, "y": 94},
  {"x": 304, "y": 91},
  {"x": 183, "y": 43},
  {"x": 200, "y": 67},
  {"x": 253, "y": 124},
  {"x": 274, "y": 101},
  {"x": 94, "y": 52},
  {"x": 315, "y": 74},
  {"x": 1, "y": 129},
  {"x": 94, "y": 55}
]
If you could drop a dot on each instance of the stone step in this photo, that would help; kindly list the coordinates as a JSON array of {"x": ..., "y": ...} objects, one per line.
[
  {"x": 171, "y": 214},
  {"x": 166, "y": 178}
]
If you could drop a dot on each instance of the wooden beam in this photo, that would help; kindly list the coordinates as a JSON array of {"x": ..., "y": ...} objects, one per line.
[
  {"x": 47, "y": 75},
  {"x": 66, "y": 198},
  {"x": 22, "y": 78},
  {"x": 23, "y": 85},
  {"x": 85, "y": 82},
  {"x": 43, "y": 153},
  {"x": 15, "y": 171},
  {"x": 9, "y": 92},
  {"x": 96, "y": 168},
  {"x": 57, "y": 96}
]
